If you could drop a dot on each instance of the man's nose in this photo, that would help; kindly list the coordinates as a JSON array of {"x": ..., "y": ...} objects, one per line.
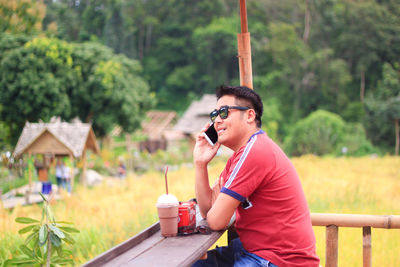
[{"x": 218, "y": 119}]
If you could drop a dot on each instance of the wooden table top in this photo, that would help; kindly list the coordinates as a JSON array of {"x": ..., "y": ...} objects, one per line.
[{"x": 149, "y": 248}]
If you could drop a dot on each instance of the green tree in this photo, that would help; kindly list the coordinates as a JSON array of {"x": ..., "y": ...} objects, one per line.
[
  {"x": 34, "y": 82},
  {"x": 216, "y": 52},
  {"x": 324, "y": 132},
  {"x": 21, "y": 16},
  {"x": 47, "y": 77},
  {"x": 366, "y": 39},
  {"x": 382, "y": 109},
  {"x": 319, "y": 133},
  {"x": 111, "y": 89},
  {"x": 302, "y": 79}
]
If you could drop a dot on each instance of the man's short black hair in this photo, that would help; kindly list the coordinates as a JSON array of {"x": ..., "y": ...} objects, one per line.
[{"x": 243, "y": 93}]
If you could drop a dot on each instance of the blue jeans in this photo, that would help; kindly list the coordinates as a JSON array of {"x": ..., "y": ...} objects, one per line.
[{"x": 232, "y": 255}]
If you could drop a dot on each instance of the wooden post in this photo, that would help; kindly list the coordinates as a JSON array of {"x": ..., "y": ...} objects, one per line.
[
  {"x": 84, "y": 167},
  {"x": 367, "y": 259},
  {"x": 71, "y": 158},
  {"x": 244, "y": 49},
  {"x": 128, "y": 140},
  {"x": 331, "y": 254},
  {"x": 29, "y": 172}
]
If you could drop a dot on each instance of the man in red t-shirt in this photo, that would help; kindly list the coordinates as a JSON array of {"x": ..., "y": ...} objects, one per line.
[{"x": 259, "y": 184}]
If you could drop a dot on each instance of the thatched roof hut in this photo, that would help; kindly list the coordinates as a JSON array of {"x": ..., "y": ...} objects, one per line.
[
  {"x": 157, "y": 127},
  {"x": 157, "y": 123},
  {"x": 56, "y": 138},
  {"x": 197, "y": 115}
]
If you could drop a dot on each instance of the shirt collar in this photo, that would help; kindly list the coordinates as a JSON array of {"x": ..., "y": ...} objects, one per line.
[{"x": 254, "y": 134}]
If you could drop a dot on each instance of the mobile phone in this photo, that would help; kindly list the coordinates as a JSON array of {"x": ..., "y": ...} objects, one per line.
[{"x": 211, "y": 135}]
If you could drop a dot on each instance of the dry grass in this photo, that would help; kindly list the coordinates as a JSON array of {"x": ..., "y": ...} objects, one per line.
[{"x": 116, "y": 210}]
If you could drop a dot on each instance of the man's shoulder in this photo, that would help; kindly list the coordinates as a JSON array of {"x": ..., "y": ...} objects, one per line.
[
  {"x": 262, "y": 145},
  {"x": 259, "y": 149}
]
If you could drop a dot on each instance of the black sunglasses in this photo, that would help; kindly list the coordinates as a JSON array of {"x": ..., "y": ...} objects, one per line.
[{"x": 223, "y": 112}]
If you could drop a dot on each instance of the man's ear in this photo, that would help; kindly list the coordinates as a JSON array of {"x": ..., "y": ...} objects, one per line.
[{"x": 251, "y": 115}]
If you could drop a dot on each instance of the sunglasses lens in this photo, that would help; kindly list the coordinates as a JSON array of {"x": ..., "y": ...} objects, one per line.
[
  {"x": 213, "y": 115},
  {"x": 223, "y": 112}
]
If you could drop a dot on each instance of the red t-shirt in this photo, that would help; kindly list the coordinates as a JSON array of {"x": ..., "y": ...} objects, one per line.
[{"x": 276, "y": 224}]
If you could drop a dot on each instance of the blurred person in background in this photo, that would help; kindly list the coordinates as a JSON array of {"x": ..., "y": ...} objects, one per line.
[
  {"x": 60, "y": 173},
  {"x": 67, "y": 177}
]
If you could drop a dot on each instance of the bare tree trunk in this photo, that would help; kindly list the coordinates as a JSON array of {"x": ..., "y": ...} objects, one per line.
[
  {"x": 148, "y": 38},
  {"x": 306, "y": 23},
  {"x": 141, "y": 42},
  {"x": 362, "y": 86},
  {"x": 89, "y": 117},
  {"x": 396, "y": 126}
]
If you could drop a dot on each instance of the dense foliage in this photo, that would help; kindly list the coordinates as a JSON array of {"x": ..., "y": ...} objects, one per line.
[
  {"x": 323, "y": 132},
  {"x": 46, "y": 77},
  {"x": 337, "y": 55}
]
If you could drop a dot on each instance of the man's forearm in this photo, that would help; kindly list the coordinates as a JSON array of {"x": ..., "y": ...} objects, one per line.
[{"x": 203, "y": 190}]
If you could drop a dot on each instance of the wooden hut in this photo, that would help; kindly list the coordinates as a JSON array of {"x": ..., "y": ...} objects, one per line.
[
  {"x": 56, "y": 139},
  {"x": 195, "y": 117},
  {"x": 156, "y": 127}
]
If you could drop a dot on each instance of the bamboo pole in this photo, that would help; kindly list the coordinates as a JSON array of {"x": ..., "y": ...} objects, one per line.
[
  {"x": 356, "y": 220},
  {"x": 331, "y": 253},
  {"x": 367, "y": 247},
  {"x": 244, "y": 49}
]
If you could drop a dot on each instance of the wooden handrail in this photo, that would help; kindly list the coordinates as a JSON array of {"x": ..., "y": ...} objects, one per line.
[
  {"x": 356, "y": 220},
  {"x": 334, "y": 221}
]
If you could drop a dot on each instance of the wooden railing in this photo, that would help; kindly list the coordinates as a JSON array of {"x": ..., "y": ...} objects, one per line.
[
  {"x": 332, "y": 222},
  {"x": 149, "y": 248}
]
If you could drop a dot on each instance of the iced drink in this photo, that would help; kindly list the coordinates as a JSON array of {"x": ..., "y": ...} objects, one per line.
[{"x": 167, "y": 206}]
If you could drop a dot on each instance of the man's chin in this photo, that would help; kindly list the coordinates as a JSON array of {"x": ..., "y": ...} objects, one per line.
[{"x": 222, "y": 141}]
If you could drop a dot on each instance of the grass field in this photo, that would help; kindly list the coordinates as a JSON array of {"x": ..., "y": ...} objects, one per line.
[{"x": 116, "y": 210}]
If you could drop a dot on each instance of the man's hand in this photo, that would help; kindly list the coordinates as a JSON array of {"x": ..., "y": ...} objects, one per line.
[{"x": 203, "y": 152}]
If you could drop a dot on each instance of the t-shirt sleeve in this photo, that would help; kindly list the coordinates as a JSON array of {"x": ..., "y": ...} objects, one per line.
[{"x": 246, "y": 172}]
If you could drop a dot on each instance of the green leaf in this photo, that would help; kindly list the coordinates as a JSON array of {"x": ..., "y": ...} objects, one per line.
[
  {"x": 30, "y": 237},
  {"x": 38, "y": 252},
  {"x": 43, "y": 213},
  {"x": 64, "y": 222},
  {"x": 43, "y": 197},
  {"x": 68, "y": 239},
  {"x": 57, "y": 231},
  {"x": 36, "y": 241},
  {"x": 6, "y": 263},
  {"x": 43, "y": 235},
  {"x": 21, "y": 261},
  {"x": 50, "y": 214},
  {"x": 59, "y": 251},
  {"x": 26, "y": 250},
  {"x": 69, "y": 229},
  {"x": 26, "y": 220},
  {"x": 63, "y": 261},
  {"x": 67, "y": 252},
  {"x": 55, "y": 240},
  {"x": 26, "y": 229}
]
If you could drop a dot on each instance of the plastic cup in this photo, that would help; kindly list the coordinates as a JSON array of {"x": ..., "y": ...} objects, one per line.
[{"x": 167, "y": 207}]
